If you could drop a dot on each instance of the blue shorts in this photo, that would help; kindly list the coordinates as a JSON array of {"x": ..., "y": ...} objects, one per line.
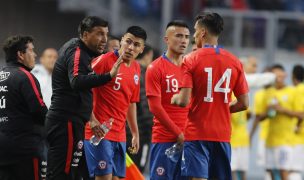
[
  {"x": 206, "y": 159},
  {"x": 161, "y": 167},
  {"x": 108, "y": 157}
]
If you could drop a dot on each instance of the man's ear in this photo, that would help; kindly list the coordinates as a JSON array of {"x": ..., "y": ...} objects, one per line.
[
  {"x": 166, "y": 39},
  {"x": 20, "y": 55},
  {"x": 203, "y": 32},
  {"x": 142, "y": 49},
  {"x": 85, "y": 35}
]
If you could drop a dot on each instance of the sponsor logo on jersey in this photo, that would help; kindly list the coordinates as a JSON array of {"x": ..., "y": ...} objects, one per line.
[{"x": 169, "y": 76}]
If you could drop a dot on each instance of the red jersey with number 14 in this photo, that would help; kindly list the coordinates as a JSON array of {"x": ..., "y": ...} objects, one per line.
[
  {"x": 213, "y": 74},
  {"x": 113, "y": 99}
]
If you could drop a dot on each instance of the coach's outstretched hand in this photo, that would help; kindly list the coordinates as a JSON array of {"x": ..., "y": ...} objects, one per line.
[{"x": 116, "y": 66}]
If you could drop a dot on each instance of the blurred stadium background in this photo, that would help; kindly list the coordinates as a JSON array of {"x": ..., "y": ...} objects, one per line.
[{"x": 271, "y": 30}]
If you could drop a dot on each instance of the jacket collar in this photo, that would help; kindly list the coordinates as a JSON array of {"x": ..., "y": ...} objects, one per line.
[
  {"x": 89, "y": 51},
  {"x": 18, "y": 64}
]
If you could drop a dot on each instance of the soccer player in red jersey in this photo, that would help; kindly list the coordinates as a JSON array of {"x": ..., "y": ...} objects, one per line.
[
  {"x": 211, "y": 74},
  {"x": 116, "y": 100},
  {"x": 163, "y": 78}
]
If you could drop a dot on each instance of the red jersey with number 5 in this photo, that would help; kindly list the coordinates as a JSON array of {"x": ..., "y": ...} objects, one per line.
[
  {"x": 213, "y": 74},
  {"x": 113, "y": 99}
]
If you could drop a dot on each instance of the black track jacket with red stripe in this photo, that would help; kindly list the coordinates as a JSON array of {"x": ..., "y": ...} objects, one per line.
[
  {"x": 72, "y": 80},
  {"x": 22, "y": 114}
]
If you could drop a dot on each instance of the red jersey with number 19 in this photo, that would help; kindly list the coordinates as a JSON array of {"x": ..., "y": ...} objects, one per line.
[
  {"x": 162, "y": 80},
  {"x": 113, "y": 99},
  {"x": 213, "y": 74}
]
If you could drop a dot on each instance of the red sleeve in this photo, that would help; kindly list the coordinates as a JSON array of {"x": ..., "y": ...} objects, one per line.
[
  {"x": 136, "y": 93},
  {"x": 153, "y": 81},
  {"x": 241, "y": 86},
  {"x": 159, "y": 112},
  {"x": 187, "y": 81}
]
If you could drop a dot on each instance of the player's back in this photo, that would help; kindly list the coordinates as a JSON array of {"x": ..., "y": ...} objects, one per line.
[{"x": 215, "y": 74}]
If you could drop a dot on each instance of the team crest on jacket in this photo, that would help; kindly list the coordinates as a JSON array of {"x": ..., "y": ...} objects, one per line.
[
  {"x": 136, "y": 78},
  {"x": 4, "y": 75}
]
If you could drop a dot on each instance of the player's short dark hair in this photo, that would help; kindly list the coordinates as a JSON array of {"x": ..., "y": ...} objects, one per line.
[
  {"x": 212, "y": 21},
  {"x": 177, "y": 23},
  {"x": 146, "y": 50},
  {"x": 88, "y": 23},
  {"x": 13, "y": 44},
  {"x": 137, "y": 32},
  {"x": 277, "y": 66},
  {"x": 298, "y": 72}
]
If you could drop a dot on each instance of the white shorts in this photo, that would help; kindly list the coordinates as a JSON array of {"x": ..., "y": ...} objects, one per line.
[
  {"x": 261, "y": 153},
  {"x": 279, "y": 157},
  {"x": 240, "y": 159},
  {"x": 297, "y": 163}
]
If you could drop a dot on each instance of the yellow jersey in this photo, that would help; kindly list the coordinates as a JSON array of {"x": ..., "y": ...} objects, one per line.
[
  {"x": 281, "y": 126},
  {"x": 260, "y": 106},
  {"x": 239, "y": 132},
  {"x": 299, "y": 107}
]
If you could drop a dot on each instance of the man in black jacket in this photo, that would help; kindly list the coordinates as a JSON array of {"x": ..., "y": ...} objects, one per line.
[
  {"x": 22, "y": 112},
  {"x": 71, "y": 105}
]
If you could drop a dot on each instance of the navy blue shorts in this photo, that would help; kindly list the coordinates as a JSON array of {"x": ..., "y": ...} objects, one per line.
[
  {"x": 206, "y": 159},
  {"x": 108, "y": 157},
  {"x": 161, "y": 167}
]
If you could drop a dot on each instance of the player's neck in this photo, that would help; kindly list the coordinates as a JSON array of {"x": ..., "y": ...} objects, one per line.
[
  {"x": 210, "y": 41},
  {"x": 279, "y": 86},
  {"x": 127, "y": 63},
  {"x": 175, "y": 58}
]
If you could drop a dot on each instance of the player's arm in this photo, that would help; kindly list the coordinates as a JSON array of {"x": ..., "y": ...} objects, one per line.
[
  {"x": 288, "y": 112},
  {"x": 132, "y": 122},
  {"x": 260, "y": 111},
  {"x": 159, "y": 112},
  {"x": 79, "y": 79},
  {"x": 258, "y": 118},
  {"x": 241, "y": 93},
  {"x": 240, "y": 104},
  {"x": 183, "y": 98},
  {"x": 153, "y": 91},
  {"x": 33, "y": 97},
  {"x": 259, "y": 80}
]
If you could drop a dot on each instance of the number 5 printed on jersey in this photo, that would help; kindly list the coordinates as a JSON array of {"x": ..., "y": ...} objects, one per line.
[
  {"x": 225, "y": 78},
  {"x": 116, "y": 87}
]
